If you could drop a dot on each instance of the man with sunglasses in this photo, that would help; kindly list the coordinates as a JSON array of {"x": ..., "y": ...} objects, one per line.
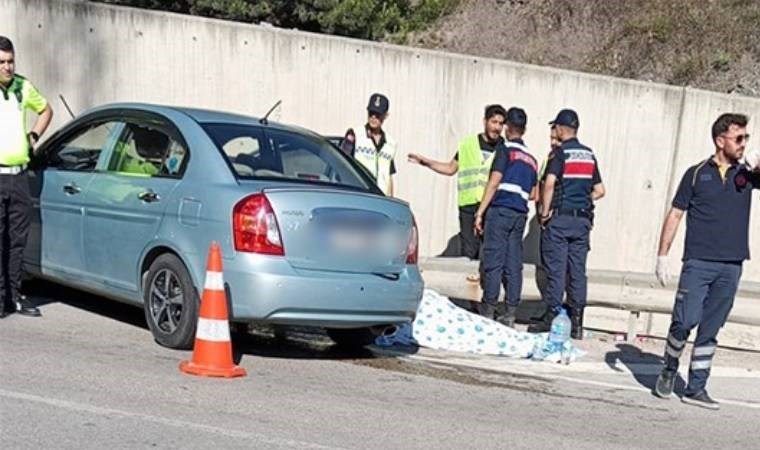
[
  {"x": 371, "y": 146},
  {"x": 716, "y": 196},
  {"x": 16, "y": 146}
]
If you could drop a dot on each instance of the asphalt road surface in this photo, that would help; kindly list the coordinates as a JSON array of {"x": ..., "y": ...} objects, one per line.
[{"x": 88, "y": 375}]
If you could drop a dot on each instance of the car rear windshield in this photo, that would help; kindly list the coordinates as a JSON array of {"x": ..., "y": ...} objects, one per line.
[{"x": 255, "y": 153}]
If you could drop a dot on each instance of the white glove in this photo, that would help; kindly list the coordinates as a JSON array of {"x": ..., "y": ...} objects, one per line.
[
  {"x": 661, "y": 270},
  {"x": 752, "y": 159}
]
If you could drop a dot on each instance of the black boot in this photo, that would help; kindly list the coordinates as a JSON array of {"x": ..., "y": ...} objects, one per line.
[
  {"x": 486, "y": 310},
  {"x": 576, "y": 322},
  {"x": 546, "y": 324},
  {"x": 541, "y": 316},
  {"x": 509, "y": 317},
  {"x": 26, "y": 308}
]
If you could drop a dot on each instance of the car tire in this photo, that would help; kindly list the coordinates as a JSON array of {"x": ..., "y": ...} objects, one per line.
[
  {"x": 352, "y": 338},
  {"x": 170, "y": 305}
]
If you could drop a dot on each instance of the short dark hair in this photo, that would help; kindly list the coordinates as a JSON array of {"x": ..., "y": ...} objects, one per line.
[
  {"x": 725, "y": 121},
  {"x": 495, "y": 110},
  {"x": 6, "y": 45}
]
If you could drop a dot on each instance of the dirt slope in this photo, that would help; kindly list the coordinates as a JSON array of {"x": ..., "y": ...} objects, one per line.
[{"x": 709, "y": 44}]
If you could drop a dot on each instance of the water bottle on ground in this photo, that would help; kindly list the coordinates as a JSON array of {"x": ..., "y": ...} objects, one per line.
[{"x": 559, "y": 334}]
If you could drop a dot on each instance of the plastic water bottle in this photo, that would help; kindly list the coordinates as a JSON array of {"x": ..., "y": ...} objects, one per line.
[{"x": 559, "y": 334}]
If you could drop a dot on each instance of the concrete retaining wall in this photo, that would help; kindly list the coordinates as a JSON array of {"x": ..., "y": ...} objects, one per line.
[{"x": 645, "y": 134}]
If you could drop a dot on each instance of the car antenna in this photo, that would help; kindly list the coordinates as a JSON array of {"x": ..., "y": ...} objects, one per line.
[
  {"x": 66, "y": 105},
  {"x": 264, "y": 120}
]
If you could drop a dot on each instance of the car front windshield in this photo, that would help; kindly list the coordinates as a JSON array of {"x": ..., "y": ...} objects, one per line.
[{"x": 254, "y": 152}]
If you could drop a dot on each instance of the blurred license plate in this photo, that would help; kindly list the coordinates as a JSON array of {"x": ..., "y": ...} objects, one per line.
[{"x": 350, "y": 240}]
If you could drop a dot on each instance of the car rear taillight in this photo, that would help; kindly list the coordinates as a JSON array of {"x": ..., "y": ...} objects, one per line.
[
  {"x": 412, "y": 248},
  {"x": 255, "y": 226}
]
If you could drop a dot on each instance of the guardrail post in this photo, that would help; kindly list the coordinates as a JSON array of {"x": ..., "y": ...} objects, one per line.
[{"x": 633, "y": 320}]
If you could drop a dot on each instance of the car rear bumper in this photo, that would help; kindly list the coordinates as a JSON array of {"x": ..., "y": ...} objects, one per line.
[{"x": 268, "y": 289}]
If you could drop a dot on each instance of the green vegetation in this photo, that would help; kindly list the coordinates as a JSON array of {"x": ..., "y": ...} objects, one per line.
[{"x": 366, "y": 19}]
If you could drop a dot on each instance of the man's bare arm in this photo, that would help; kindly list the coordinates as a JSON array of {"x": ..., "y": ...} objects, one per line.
[
  {"x": 598, "y": 191},
  {"x": 444, "y": 168},
  {"x": 669, "y": 228},
  {"x": 547, "y": 195}
]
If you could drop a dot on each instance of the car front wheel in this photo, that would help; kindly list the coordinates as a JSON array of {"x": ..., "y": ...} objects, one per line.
[{"x": 170, "y": 302}]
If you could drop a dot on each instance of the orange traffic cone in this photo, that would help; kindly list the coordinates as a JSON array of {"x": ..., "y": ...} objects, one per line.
[{"x": 212, "y": 353}]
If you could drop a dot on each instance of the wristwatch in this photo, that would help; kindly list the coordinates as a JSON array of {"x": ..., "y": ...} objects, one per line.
[{"x": 34, "y": 135}]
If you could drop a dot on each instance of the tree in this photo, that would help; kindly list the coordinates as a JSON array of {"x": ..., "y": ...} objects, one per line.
[{"x": 366, "y": 19}]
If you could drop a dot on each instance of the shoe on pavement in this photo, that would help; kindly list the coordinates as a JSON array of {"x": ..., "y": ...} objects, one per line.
[
  {"x": 545, "y": 325},
  {"x": 509, "y": 317},
  {"x": 540, "y": 317},
  {"x": 663, "y": 388},
  {"x": 702, "y": 400},
  {"x": 26, "y": 308},
  {"x": 486, "y": 310}
]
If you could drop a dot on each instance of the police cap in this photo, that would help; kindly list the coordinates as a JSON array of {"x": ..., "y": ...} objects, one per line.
[
  {"x": 566, "y": 117},
  {"x": 378, "y": 103}
]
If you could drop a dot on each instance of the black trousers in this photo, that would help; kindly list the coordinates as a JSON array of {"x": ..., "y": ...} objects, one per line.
[
  {"x": 15, "y": 207},
  {"x": 470, "y": 241}
]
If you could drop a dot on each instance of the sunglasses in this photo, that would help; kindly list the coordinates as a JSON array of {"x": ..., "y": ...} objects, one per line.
[{"x": 739, "y": 139}]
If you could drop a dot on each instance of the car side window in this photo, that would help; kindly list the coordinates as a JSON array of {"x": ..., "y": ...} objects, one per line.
[
  {"x": 81, "y": 152},
  {"x": 244, "y": 149},
  {"x": 284, "y": 154},
  {"x": 147, "y": 151},
  {"x": 306, "y": 159}
]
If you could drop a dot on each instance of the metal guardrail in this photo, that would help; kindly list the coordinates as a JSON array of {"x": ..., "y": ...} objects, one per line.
[{"x": 630, "y": 291}]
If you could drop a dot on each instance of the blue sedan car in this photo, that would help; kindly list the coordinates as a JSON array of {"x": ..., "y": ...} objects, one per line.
[{"x": 128, "y": 198}]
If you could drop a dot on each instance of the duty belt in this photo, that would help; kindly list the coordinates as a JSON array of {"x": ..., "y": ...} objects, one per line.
[
  {"x": 12, "y": 170},
  {"x": 585, "y": 213}
]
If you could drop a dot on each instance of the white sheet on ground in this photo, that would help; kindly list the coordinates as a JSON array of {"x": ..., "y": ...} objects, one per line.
[{"x": 440, "y": 324}]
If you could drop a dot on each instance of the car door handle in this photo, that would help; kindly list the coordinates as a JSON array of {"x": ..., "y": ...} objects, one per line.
[
  {"x": 71, "y": 188},
  {"x": 149, "y": 196}
]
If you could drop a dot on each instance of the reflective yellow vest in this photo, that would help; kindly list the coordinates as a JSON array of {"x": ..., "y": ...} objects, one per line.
[
  {"x": 472, "y": 175},
  {"x": 20, "y": 96},
  {"x": 378, "y": 163}
]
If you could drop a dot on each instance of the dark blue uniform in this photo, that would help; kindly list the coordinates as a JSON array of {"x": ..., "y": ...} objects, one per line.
[
  {"x": 717, "y": 242},
  {"x": 565, "y": 239},
  {"x": 505, "y": 223}
]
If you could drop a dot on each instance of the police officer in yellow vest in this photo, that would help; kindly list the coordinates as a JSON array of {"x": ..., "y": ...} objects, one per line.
[
  {"x": 16, "y": 146},
  {"x": 472, "y": 164},
  {"x": 372, "y": 147}
]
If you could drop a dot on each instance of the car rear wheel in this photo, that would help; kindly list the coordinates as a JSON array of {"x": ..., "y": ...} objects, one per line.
[
  {"x": 352, "y": 338},
  {"x": 170, "y": 302}
]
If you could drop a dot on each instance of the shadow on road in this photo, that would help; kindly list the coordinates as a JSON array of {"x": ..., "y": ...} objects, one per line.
[
  {"x": 42, "y": 292},
  {"x": 299, "y": 343},
  {"x": 271, "y": 342},
  {"x": 644, "y": 366}
]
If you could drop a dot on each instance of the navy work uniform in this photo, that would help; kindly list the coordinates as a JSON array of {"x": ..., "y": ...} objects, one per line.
[
  {"x": 505, "y": 223},
  {"x": 15, "y": 201},
  {"x": 565, "y": 240},
  {"x": 717, "y": 242}
]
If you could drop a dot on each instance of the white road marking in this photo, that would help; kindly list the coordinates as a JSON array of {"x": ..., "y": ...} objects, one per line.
[
  {"x": 539, "y": 369},
  {"x": 181, "y": 424}
]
